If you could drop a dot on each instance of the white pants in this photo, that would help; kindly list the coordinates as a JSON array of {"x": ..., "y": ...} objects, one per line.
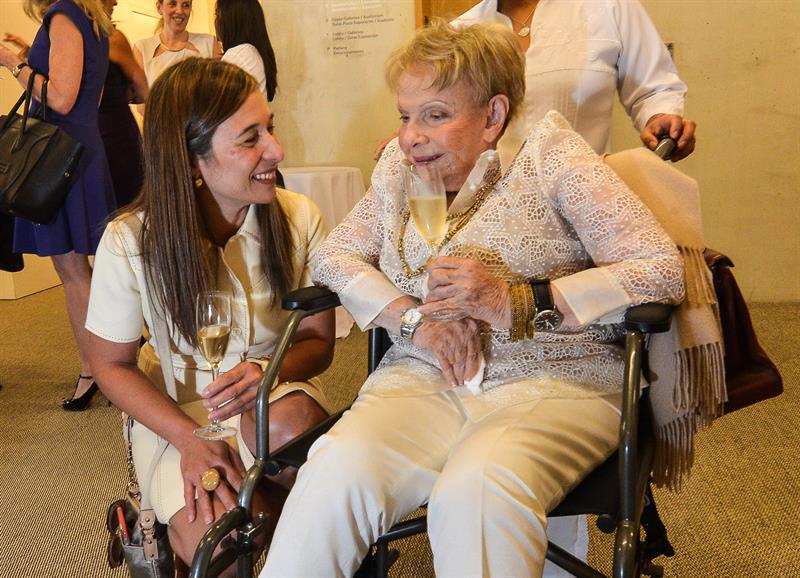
[{"x": 489, "y": 484}]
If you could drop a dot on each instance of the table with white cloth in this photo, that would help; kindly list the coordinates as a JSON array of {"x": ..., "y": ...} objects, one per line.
[{"x": 336, "y": 190}]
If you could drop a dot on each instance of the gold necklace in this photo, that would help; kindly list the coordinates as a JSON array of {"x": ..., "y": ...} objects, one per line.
[
  {"x": 480, "y": 197},
  {"x": 166, "y": 48},
  {"x": 524, "y": 29}
]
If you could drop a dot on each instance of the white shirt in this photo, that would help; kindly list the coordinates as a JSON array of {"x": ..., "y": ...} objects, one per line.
[
  {"x": 558, "y": 213},
  {"x": 246, "y": 57},
  {"x": 119, "y": 309},
  {"x": 581, "y": 53},
  {"x": 155, "y": 65}
]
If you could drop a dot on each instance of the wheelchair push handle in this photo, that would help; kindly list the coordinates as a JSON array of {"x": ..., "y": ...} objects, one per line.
[{"x": 665, "y": 147}]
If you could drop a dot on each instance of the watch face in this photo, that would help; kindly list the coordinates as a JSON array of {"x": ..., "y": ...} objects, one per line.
[
  {"x": 411, "y": 317},
  {"x": 548, "y": 320}
]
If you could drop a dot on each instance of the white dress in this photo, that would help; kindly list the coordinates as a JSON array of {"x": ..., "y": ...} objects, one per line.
[
  {"x": 246, "y": 57},
  {"x": 155, "y": 65},
  {"x": 119, "y": 311},
  {"x": 582, "y": 53}
]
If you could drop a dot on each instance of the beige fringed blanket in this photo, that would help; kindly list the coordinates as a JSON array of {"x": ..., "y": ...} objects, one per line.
[{"x": 687, "y": 371}]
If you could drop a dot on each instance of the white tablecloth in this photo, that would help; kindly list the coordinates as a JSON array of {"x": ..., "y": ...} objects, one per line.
[{"x": 335, "y": 190}]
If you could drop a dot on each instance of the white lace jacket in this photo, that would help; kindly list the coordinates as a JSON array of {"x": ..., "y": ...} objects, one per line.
[{"x": 557, "y": 213}]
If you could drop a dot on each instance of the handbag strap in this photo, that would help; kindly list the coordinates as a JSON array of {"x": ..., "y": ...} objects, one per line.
[
  {"x": 43, "y": 100},
  {"x": 167, "y": 370},
  {"x": 13, "y": 112},
  {"x": 165, "y": 357}
]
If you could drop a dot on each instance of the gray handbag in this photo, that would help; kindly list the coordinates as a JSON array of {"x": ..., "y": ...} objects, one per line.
[{"x": 135, "y": 535}]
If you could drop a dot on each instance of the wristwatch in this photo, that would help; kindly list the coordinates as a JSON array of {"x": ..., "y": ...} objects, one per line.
[
  {"x": 547, "y": 316},
  {"x": 409, "y": 321},
  {"x": 18, "y": 68}
]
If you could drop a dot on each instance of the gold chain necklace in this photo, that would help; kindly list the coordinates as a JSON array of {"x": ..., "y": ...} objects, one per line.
[
  {"x": 480, "y": 197},
  {"x": 524, "y": 29}
]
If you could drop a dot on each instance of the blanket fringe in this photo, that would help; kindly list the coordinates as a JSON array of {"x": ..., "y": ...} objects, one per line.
[
  {"x": 698, "y": 399},
  {"x": 699, "y": 284}
]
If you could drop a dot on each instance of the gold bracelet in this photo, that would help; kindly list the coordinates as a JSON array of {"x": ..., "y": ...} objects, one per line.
[
  {"x": 530, "y": 312},
  {"x": 518, "y": 315}
]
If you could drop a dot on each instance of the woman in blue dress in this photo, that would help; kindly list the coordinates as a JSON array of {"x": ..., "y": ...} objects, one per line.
[{"x": 71, "y": 49}]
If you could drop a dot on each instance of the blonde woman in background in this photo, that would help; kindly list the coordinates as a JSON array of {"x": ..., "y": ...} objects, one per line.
[
  {"x": 71, "y": 50},
  {"x": 173, "y": 42}
]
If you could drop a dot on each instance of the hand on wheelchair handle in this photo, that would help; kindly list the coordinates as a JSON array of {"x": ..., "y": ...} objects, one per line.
[
  {"x": 681, "y": 130},
  {"x": 233, "y": 392},
  {"x": 456, "y": 344},
  {"x": 464, "y": 285}
]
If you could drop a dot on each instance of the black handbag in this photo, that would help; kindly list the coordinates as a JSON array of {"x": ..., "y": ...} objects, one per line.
[{"x": 37, "y": 161}]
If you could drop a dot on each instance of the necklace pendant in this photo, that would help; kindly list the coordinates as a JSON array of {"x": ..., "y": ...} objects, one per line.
[{"x": 524, "y": 31}]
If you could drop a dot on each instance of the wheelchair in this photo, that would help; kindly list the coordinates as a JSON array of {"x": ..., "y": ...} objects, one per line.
[{"x": 617, "y": 490}]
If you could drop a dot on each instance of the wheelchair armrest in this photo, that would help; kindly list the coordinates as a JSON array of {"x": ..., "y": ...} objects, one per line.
[
  {"x": 649, "y": 318},
  {"x": 311, "y": 299}
]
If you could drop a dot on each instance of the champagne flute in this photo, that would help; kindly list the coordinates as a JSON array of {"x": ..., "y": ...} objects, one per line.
[
  {"x": 427, "y": 203},
  {"x": 213, "y": 332}
]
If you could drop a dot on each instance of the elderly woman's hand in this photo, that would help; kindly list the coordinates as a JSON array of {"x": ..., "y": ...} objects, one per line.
[
  {"x": 464, "y": 285},
  {"x": 455, "y": 344},
  {"x": 196, "y": 459},
  {"x": 234, "y": 391}
]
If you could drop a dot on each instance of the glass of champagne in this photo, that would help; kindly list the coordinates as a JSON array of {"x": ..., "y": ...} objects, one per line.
[
  {"x": 213, "y": 332},
  {"x": 427, "y": 203}
]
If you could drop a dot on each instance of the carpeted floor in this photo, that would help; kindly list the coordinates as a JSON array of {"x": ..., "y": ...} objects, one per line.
[{"x": 736, "y": 518}]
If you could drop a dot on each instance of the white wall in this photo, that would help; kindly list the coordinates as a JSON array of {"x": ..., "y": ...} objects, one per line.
[
  {"x": 740, "y": 60},
  {"x": 333, "y": 109}
]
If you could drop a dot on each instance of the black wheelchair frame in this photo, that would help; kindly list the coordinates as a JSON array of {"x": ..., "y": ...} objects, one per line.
[{"x": 617, "y": 490}]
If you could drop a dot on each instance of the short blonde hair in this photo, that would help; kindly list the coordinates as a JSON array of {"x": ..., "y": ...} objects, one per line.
[
  {"x": 94, "y": 10},
  {"x": 485, "y": 56}
]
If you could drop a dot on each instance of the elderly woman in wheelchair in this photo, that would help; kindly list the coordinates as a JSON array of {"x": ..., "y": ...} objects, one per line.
[
  {"x": 209, "y": 218},
  {"x": 501, "y": 391}
]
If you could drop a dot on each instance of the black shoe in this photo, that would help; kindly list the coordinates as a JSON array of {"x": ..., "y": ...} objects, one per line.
[{"x": 82, "y": 402}]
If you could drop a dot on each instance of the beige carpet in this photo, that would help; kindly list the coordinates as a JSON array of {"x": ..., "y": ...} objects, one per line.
[{"x": 736, "y": 518}]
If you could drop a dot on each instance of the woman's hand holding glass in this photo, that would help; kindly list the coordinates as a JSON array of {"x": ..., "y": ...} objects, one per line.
[
  {"x": 213, "y": 333},
  {"x": 234, "y": 392},
  {"x": 427, "y": 203},
  {"x": 464, "y": 286}
]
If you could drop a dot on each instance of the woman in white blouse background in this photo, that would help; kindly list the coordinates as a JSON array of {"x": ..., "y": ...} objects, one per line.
[
  {"x": 578, "y": 55},
  {"x": 173, "y": 42},
  {"x": 242, "y": 30}
]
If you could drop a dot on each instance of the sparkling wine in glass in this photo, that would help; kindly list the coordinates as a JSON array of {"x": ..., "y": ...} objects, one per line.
[
  {"x": 213, "y": 333},
  {"x": 427, "y": 203}
]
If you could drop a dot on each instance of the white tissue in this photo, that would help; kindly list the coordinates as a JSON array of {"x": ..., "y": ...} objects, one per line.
[{"x": 474, "y": 384}]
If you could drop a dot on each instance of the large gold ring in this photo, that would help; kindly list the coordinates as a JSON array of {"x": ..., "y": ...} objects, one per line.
[{"x": 210, "y": 479}]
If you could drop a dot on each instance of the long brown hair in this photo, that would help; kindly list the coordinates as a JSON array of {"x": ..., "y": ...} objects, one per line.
[{"x": 186, "y": 104}]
